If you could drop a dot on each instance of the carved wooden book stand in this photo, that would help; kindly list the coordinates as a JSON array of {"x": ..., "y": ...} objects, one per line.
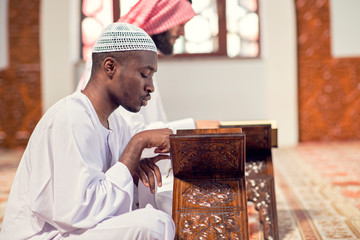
[{"x": 209, "y": 199}]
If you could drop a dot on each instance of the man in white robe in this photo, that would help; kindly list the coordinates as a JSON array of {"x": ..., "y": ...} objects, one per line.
[
  {"x": 164, "y": 21},
  {"x": 76, "y": 177}
]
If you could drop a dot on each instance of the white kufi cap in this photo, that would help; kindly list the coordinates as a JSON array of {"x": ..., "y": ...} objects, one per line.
[{"x": 119, "y": 37}]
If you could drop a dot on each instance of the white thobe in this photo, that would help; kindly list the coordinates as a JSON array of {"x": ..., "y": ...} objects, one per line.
[{"x": 69, "y": 183}]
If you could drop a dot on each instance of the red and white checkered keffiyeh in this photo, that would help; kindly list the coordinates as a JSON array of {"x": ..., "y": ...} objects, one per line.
[{"x": 157, "y": 16}]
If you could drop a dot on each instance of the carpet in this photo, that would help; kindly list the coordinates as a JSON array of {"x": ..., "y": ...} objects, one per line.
[
  {"x": 9, "y": 160},
  {"x": 317, "y": 190}
]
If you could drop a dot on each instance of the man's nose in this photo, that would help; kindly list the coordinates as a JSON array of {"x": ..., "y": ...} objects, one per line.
[
  {"x": 150, "y": 87},
  {"x": 181, "y": 30}
]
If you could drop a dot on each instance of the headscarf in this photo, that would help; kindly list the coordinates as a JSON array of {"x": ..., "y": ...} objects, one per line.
[{"x": 157, "y": 16}]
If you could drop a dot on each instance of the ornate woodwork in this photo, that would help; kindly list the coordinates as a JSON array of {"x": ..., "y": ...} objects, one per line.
[
  {"x": 260, "y": 174},
  {"x": 209, "y": 184}
]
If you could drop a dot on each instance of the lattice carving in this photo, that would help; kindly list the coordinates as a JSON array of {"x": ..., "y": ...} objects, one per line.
[
  {"x": 209, "y": 200},
  {"x": 259, "y": 192},
  {"x": 208, "y": 156},
  {"x": 210, "y": 194},
  {"x": 255, "y": 168},
  {"x": 221, "y": 153},
  {"x": 217, "y": 225}
]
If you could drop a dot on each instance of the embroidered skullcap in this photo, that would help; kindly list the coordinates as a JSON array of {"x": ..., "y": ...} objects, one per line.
[
  {"x": 157, "y": 16},
  {"x": 120, "y": 37}
]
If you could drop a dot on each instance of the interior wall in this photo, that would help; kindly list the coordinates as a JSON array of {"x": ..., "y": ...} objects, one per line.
[
  {"x": 344, "y": 39},
  {"x": 204, "y": 88},
  {"x": 20, "y": 89},
  {"x": 60, "y": 50},
  {"x": 329, "y": 88},
  {"x": 4, "y": 53}
]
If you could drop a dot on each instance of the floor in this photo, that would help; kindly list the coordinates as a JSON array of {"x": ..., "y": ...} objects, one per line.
[
  {"x": 317, "y": 190},
  {"x": 9, "y": 160}
]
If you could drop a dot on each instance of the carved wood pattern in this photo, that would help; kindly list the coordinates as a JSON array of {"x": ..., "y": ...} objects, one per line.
[
  {"x": 260, "y": 191},
  {"x": 215, "y": 225},
  {"x": 213, "y": 155},
  {"x": 253, "y": 169},
  {"x": 208, "y": 206},
  {"x": 207, "y": 156},
  {"x": 209, "y": 203},
  {"x": 20, "y": 95},
  {"x": 329, "y": 88},
  {"x": 210, "y": 194}
]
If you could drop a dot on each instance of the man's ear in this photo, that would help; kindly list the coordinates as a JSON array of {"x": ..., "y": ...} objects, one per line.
[{"x": 110, "y": 66}]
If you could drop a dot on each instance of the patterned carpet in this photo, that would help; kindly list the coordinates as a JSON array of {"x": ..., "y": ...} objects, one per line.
[{"x": 317, "y": 190}]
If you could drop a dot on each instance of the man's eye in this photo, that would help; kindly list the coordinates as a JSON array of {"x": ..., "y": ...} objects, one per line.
[{"x": 143, "y": 75}]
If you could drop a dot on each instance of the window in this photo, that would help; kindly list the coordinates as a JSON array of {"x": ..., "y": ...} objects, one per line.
[
  {"x": 96, "y": 14},
  {"x": 221, "y": 27}
]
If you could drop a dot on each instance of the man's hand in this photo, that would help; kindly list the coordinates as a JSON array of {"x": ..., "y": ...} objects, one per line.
[
  {"x": 147, "y": 171},
  {"x": 158, "y": 138}
]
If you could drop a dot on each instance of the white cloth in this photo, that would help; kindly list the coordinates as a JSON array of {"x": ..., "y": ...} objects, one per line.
[
  {"x": 69, "y": 179},
  {"x": 147, "y": 223}
]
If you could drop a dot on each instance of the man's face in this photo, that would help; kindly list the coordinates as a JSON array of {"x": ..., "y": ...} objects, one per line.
[
  {"x": 165, "y": 41},
  {"x": 133, "y": 83},
  {"x": 175, "y": 33}
]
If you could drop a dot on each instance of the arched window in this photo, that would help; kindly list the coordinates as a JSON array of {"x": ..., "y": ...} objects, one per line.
[{"x": 220, "y": 28}]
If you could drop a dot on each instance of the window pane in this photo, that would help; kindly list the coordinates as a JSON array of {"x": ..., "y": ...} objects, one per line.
[
  {"x": 125, "y": 6},
  {"x": 243, "y": 28},
  {"x": 201, "y": 32},
  {"x": 97, "y": 14}
]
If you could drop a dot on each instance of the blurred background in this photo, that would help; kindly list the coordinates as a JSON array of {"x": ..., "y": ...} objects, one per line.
[{"x": 295, "y": 62}]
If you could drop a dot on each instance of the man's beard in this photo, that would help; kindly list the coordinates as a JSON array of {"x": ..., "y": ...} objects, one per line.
[{"x": 162, "y": 43}]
